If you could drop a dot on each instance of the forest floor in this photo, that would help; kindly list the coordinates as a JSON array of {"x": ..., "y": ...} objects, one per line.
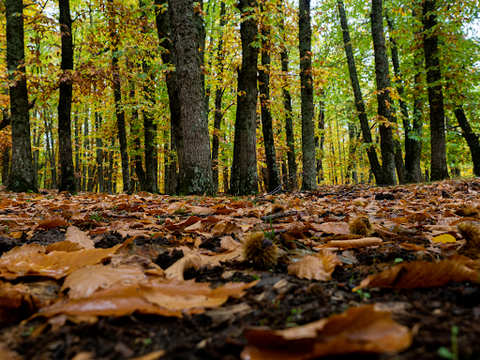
[{"x": 149, "y": 277}]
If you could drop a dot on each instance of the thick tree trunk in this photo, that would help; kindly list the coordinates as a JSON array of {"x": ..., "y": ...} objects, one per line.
[
  {"x": 99, "y": 155},
  {"x": 22, "y": 177},
  {"x": 117, "y": 94},
  {"x": 67, "y": 174},
  {"x": 438, "y": 163},
  {"x": 359, "y": 104},
  {"x": 196, "y": 177},
  {"x": 287, "y": 104},
  {"x": 168, "y": 58},
  {"x": 273, "y": 177},
  {"x": 389, "y": 158},
  {"x": 5, "y": 166},
  {"x": 470, "y": 137},
  {"x": 306, "y": 80},
  {"x": 217, "y": 122},
  {"x": 244, "y": 175}
]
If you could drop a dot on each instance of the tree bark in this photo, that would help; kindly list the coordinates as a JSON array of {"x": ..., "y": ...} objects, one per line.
[
  {"x": 117, "y": 94},
  {"x": 5, "y": 166},
  {"x": 306, "y": 80},
  {"x": 22, "y": 178},
  {"x": 196, "y": 177},
  {"x": 168, "y": 58},
  {"x": 67, "y": 171},
  {"x": 244, "y": 175},
  {"x": 99, "y": 155},
  {"x": 382, "y": 76},
  {"x": 273, "y": 177},
  {"x": 438, "y": 160},
  {"x": 470, "y": 137},
  {"x": 359, "y": 104},
  {"x": 320, "y": 143}
]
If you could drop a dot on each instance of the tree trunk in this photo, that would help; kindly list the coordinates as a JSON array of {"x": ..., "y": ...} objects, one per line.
[
  {"x": 99, "y": 155},
  {"x": 196, "y": 177},
  {"x": 168, "y": 58},
  {"x": 117, "y": 94},
  {"x": 287, "y": 104},
  {"x": 438, "y": 163},
  {"x": 78, "y": 168},
  {"x": 244, "y": 175},
  {"x": 273, "y": 177},
  {"x": 135, "y": 133},
  {"x": 306, "y": 80},
  {"x": 359, "y": 104},
  {"x": 5, "y": 166},
  {"x": 22, "y": 178},
  {"x": 470, "y": 137},
  {"x": 389, "y": 158},
  {"x": 86, "y": 149},
  {"x": 67, "y": 171},
  {"x": 217, "y": 122},
  {"x": 50, "y": 145},
  {"x": 321, "y": 143}
]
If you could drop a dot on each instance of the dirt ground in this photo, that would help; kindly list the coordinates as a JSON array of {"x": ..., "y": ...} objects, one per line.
[{"x": 445, "y": 320}]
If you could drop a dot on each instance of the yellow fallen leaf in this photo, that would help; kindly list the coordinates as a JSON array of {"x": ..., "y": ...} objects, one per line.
[{"x": 445, "y": 238}]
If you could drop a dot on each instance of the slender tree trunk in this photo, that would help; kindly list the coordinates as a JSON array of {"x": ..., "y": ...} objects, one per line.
[
  {"x": 470, "y": 137},
  {"x": 51, "y": 151},
  {"x": 117, "y": 93},
  {"x": 110, "y": 168},
  {"x": 99, "y": 155},
  {"x": 359, "y": 104},
  {"x": 67, "y": 172},
  {"x": 166, "y": 159},
  {"x": 306, "y": 80},
  {"x": 168, "y": 58},
  {"x": 217, "y": 122},
  {"x": 86, "y": 149},
  {"x": 78, "y": 168},
  {"x": 389, "y": 158},
  {"x": 287, "y": 104},
  {"x": 244, "y": 175},
  {"x": 21, "y": 175},
  {"x": 321, "y": 143},
  {"x": 438, "y": 160},
  {"x": 196, "y": 177},
  {"x": 273, "y": 177}
]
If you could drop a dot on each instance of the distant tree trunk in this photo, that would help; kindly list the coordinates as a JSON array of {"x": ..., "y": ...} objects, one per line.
[
  {"x": 67, "y": 171},
  {"x": 99, "y": 155},
  {"x": 117, "y": 93},
  {"x": 273, "y": 177},
  {"x": 5, "y": 166},
  {"x": 438, "y": 164},
  {"x": 78, "y": 168},
  {"x": 168, "y": 58},
  {"x": 389, "y": 158},
  {"x": 110, "y": 168},
  {"x": 359, "y": 104},
  {"x": 86, "y": 149},
  {"x": 22, "y": 177},
  {"x": 306, "y": 80},
  {"x": 37, "y": 135},
  {"x": 244, "y": 175},
  {"x": 287, "y": 104},
  {"x": 321, "y": 143},
  {"x": 470, "y": 137},
  {"x": 135, "y": 133},
  {"x": 50, "y": 145},
  {"x": 196, "y": 177},
  {"x": 166, "y": 159},
  {"x": 217, "y": 122}
]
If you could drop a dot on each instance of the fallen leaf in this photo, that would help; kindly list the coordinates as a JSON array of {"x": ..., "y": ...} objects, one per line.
[
  {"x": 318, "y": 267},
  {"x": 176, "y": 270},
  {"x": 445, "y": 238},
  {"x": 16, "y": 302},
  {"x": 357, "y": 243},
  {"x": 420, "y": 274},
  {"x": 7, "y": 354},
  {"x": 336, "y": 228},
  {"x": 53, "y": 222},
  {"x": 358, "y": 330},
  {"x": 151, "y": 356},
  {"x": 84, "y": 355},
  {"x": 63, "y": 246},
  {"x": 77, "y": 236},
  {"x": 229, "y": 243},
  {"x": 412, "y": 247}
]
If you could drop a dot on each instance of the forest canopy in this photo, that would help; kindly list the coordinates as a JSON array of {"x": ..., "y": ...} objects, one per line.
[{"x": 237, "y": 96}]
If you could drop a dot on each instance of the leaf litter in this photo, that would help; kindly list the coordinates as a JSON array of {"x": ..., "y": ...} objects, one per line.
[{"x": 342, "y": 270}]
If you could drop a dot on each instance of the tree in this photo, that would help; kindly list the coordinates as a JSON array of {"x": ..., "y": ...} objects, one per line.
[
  {"x": 244, "y": 178},
  {"x": 306, "y": 80},
  {"x": 438, "y": 160},
  {"x": 67, "y": 174},
  {"x": 273, "y": 177},
  {"x": 383, "y": 98},
  {"x": 22, "y": 177},
  {"x": 470, "y": 137},
  {"x": 196, "y": 177}
]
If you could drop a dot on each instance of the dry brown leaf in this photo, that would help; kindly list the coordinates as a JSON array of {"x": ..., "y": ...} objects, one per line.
[
  {"x": 363, "y": 242},
  {"x": 227, "y": 228},
  {"x": 7, "y": 354},
  {"x": 229, "y": 243},
  {"x": 16, "y": 302},
  {"x": 53, "y": 222},
  {"x": 151, "y": 356},
  {"x": 86, "y": 280},
  {"x": 358, "y": 330},
  {"x": 215, "y": 260},
  {"x": 420, "y": 274},
  {"x": 77, "y": 236},
  {"x": 336, "y": 228},
  {"x": 412, "y": 247},
  {"x": 63, "y": 246},
  {"x": 84, "y": 355},
  {"x": 319, "y": 267},
  {"x": 57, "y": 264},
  {"x": 176, "y": 270}
]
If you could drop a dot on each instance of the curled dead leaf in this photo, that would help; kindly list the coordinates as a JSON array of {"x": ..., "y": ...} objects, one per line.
[
  {"x": 77, "y": 236},
  {"x": 53, "y": 222},
  {"x": 318, "y": 267},
  {"x": 360, "y": 329}
]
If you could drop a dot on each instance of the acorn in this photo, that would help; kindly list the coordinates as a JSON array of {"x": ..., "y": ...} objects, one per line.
[
  {"x": 471, "y": 233},
  {"x": 360, "y": 226},
  {"x": 261, "y": 251}
]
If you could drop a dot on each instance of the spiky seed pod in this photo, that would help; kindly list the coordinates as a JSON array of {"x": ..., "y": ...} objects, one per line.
[
  {"x": 262, "y": 252},
  {"x": 471, "y": 233},
  {"x": 360, "y": 226}
]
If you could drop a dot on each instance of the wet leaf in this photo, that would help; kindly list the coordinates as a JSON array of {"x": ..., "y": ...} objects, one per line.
[{"x": 358, "y": 330}]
